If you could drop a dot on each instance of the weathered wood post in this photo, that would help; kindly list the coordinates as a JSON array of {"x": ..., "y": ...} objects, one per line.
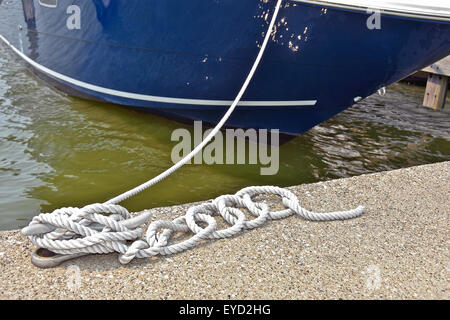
[{"x": 437, "y": 85}]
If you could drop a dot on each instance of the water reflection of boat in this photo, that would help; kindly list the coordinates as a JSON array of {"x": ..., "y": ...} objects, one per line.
[{"x": 187, "y": 60}]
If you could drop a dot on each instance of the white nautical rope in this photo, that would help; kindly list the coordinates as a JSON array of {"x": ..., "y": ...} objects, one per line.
[
  {"x": 88, "y": 230},
  {"x": 70, "y": 231}
]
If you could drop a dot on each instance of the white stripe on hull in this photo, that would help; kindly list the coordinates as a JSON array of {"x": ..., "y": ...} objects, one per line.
[
  {"x": 142, "y": 97},
  {"x": 401, "y": 8}
]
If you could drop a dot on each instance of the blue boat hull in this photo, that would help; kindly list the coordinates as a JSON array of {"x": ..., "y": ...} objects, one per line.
[{"x": 188, "y": 59}]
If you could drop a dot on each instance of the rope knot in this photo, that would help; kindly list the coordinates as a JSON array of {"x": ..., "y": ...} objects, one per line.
[{"x": 95, "y": 228}]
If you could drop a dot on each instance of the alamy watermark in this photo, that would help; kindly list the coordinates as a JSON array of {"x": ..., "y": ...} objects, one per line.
[
  {"x": 373, "y": 278},
  {"x": 374, "y": 20},
  {"x": 74, "y": 20},
  {"x": 238, "y": 146},
  {"x": 74, "y": 278}
]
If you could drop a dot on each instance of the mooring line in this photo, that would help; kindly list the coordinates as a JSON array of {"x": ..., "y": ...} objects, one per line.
[
  {"x": 73, "y": 232},
  {"x": 216, "y": 129}
]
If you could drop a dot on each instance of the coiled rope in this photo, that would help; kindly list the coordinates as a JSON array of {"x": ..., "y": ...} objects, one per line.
[{"x": 75, "y": 231}]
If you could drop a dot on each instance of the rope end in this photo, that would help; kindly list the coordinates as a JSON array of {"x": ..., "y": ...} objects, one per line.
[{"x": 44, "y": 258}]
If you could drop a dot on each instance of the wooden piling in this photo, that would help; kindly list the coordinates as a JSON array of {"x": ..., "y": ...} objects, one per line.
[{"x": 437, "y": 85}]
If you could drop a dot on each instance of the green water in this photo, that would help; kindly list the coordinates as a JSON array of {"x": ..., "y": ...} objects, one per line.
[{"x": 60, "y": 151}]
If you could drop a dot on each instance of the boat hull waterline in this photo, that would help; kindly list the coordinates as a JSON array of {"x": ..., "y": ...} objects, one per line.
[{"x": 187, "y": 60}]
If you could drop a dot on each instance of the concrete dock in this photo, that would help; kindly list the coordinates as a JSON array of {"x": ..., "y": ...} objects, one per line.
[{"x": 398, "y": 250}]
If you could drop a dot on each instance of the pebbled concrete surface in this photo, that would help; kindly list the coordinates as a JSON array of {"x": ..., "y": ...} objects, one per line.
[{"x": 398, "y": 250}]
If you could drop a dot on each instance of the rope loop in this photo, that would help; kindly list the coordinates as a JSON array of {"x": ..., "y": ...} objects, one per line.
[{"x": 252, "y": 192}]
